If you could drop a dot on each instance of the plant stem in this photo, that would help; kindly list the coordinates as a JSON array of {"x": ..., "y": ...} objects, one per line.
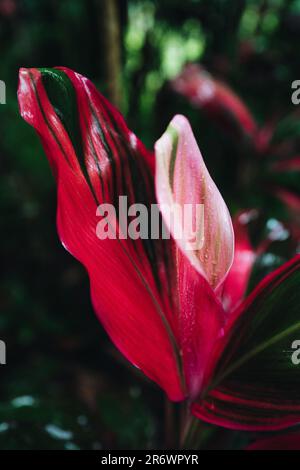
[
  {"x": 186, "y": 426},
  {"x": 111, "y": 33},
  {"x": 191, "y": 434},
  {"x": 170, "y": 434}
]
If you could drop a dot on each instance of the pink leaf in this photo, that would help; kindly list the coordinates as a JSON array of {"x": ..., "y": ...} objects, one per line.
[{"x": 182, "y": 179}]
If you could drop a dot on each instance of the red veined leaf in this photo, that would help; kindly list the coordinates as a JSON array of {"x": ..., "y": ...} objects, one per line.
[
  {"x": 134, "y": 283},
  {"x": 95, "y": 160},
  {"x": 256, "y": 384}
]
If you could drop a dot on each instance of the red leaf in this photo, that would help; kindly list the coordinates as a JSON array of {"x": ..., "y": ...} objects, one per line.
[
  {"x": 182, "y": 179},
  {"x": 290, "y": 164},
  {"x": 290, "y": 441},
  {"x": 255, "y": 385},
  {"x": 129, "y": 279},
  {"x": 157, "y": 309},
  {"x": 216, "y": 98},
  {"x": 290, "y": 199},
  {"x": 244, "y": 257},
  {"x": 201, "y": 322}
]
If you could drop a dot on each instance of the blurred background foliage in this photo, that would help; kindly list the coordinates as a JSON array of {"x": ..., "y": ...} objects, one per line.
[{"x": 64, "y": 385}]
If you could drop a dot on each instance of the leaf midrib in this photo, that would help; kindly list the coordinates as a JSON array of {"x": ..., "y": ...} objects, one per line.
[{"x": 273, "y": 340}]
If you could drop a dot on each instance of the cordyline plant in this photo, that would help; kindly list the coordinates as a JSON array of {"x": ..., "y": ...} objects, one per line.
[{"x": 176, "y": 314}]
